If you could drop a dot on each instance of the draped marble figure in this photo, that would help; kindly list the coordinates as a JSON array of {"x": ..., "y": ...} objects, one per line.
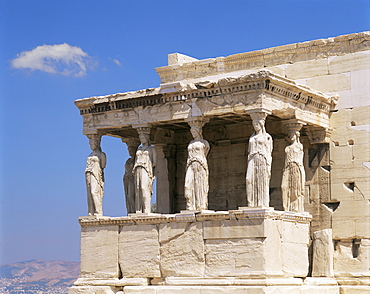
[
  {"x": 128, "y": 180},
  {"x": 259, "y": 165},
  {"x": 94, "y": 174},
  {"x": 143, "y": 170},
  {"x": 293, "y": 181},
  {"x": 196, "y": 177}
]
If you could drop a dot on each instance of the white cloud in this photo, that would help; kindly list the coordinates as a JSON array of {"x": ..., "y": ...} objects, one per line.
[
  {"x": 116, "y": 61},
  {"x": 56, "y": 59}
]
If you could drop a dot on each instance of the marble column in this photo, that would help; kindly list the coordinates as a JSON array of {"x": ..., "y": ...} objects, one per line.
[
  {"x": 294, "y": 176},
  {"x": 259, "y": 161},
  {"x": 145, "y": 161},
  {"x": 197, "y": 174},
  {"x": 94, "y": 175},
  {"x": 128, "y": 177}
]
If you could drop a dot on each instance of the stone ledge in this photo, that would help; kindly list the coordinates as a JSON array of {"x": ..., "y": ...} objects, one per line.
[
  {"x": 193, "y": 216},
  {"x": 173, "y": 281},
  {"x": 114, "y": 282}
]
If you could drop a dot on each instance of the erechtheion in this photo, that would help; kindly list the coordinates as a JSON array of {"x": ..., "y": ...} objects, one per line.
[{"x": 262, "y": 170}]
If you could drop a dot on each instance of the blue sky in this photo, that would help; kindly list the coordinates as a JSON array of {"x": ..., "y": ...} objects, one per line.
[{"x": 109, "y": 47}]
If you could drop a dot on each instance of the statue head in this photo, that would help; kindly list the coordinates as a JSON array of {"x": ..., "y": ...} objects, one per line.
[
  {"x": 293, "y": 135},
  {"x": 94, "y": 141},
  {"x": 144, "y": 138},
  {"x": 258, "y": 125}
]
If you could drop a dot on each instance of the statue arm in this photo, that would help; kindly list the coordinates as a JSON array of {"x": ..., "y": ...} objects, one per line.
[
  {"x": 103, "y": 160},
  {"x": 269, "y": 150},
  {"x": 207, "y": 147},
  {"x": 249, "y": 149},
  {"x": 303, "y": 173},
  {"x": 285, "y": 158},
  {"x": 154, "y": 157}
]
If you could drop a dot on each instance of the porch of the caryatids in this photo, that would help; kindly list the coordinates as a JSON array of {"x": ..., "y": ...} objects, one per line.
[
  {"x": 94, "y": 175},
  {"x": 259, "y": 161},
  {"x": 197, "y": 174},
  {"x": 143, "y": 170},
  {"x": 294, "y": 176},
  {"x": 128, "y": 177}
]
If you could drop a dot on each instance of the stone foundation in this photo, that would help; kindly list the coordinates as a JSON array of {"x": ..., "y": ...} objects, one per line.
[
  {"x": 249, "y": 250},
  {"x": 238, "y": 249}
]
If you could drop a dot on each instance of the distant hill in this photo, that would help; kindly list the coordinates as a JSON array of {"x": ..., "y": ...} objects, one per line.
[{"x": 34, "y": 275}]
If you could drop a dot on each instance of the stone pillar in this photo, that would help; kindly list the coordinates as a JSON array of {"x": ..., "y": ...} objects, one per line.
[
  {"x": 197, "y": 173},
  {"x": 323, "y": 254},
  {"x": 163, "y": 185},
  {"x": 128, "y": 177},
  {"x": 294, "y": 176},
  {"x": 259, "y": 161},
  {"x": 165, "y": 177}
]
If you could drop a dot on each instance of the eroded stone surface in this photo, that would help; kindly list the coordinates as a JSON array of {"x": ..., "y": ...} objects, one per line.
[
  {"x": 234, "y": 257},
  {"x": 351, "y": 259},
  {"x": 323, "y": 254},
  {"x": 99, "y": 252},
  {"x": 139, "y": 251},
  {"x": 183, "y": 255}
]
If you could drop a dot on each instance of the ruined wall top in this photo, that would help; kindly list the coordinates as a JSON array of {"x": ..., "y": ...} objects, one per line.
[{"x": 181, "y": 67}]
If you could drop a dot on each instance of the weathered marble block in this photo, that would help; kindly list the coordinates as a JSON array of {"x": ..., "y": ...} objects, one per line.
[
  {"x": 139, "y": 251},
  {"x": 182, "y": 255},
  {"x": 99, "y": 252},
  {"x": 234, "y": 257}
]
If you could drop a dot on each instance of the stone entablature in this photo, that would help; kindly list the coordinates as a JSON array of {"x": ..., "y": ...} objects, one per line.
[
  {"x": 234, "y": 95},
  {"x": 285, "y": 54}
]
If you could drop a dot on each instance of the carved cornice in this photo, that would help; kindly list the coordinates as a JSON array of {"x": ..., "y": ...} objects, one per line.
[{"x": 262, "y": 81}]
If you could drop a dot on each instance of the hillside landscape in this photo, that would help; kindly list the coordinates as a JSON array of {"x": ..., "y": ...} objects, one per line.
[{"x": 37, "y": 276}]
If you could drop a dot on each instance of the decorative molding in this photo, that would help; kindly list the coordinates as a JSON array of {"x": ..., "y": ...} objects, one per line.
[
  {"x": 196, "y": 216},
  {"x": 262, "y": 81}
]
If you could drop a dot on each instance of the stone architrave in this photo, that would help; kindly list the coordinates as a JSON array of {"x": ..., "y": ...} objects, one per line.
[
  {"x": 94, "y": 174},
  {"x": 196, "y": 177},
  {"x": 143, "y": 170},
  {"x": 128, "y": 177},
  {"x": 294, "y": 176},
  {"x": 259, "y": 161}
]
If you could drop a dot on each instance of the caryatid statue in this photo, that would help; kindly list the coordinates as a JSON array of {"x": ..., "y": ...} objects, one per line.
[
  {"x": 196, "y": 177},
  {"x": 94, "y": 174},
  {"x": 259, "y": 162},
  {"x": 143, "y": 171},
  {"x": 128, "y": 177},
  {"x": 294, "y": 176}
]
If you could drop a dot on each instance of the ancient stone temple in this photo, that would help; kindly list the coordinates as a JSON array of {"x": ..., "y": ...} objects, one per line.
[{"x": 262, "y": 168}]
